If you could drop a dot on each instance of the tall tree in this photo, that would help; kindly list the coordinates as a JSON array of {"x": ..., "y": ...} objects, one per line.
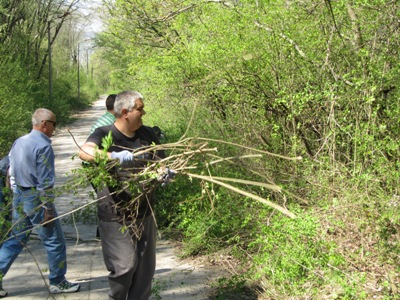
[{"x": 25, "y": 26}]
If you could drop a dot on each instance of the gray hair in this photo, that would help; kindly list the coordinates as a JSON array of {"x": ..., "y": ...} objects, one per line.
[
  {"x": 41, "y": 114},
  {"x": 126, "y": 100}
]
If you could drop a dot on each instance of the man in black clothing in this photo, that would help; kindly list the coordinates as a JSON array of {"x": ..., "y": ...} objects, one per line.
[
  {"x": 4, "y": 165},
  {"x": 5, "y": 195},
  {"x": 126, "y": 221}
]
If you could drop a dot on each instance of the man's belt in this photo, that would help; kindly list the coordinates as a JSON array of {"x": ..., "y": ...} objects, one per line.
[{"x": 22, "y": 188}]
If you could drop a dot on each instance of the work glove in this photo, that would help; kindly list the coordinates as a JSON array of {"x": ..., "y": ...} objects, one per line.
[
  {"x": 49, "y": 212},
  {"x": 124, "y": 156},
  {"x": 48, "y": 215},
  {"x": 166, "y": 176}
]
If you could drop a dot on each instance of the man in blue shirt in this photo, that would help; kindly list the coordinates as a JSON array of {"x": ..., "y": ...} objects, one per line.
[{"x": 32, "y": 179}]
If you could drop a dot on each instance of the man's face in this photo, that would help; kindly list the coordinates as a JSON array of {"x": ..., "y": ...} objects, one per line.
[
  {"x": 134, "y": 117},
  {"x": 49, "y": 126}
]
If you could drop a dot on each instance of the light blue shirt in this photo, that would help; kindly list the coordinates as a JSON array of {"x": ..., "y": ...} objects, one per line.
[{"x": 32, "y": 161}]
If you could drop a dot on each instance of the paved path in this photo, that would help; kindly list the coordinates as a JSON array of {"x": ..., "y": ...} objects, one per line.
[{"x": 174, "y": 279}]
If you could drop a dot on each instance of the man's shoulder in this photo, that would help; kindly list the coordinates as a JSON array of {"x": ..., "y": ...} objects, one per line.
[
  {"x": 105, "y": 129},
  {"x": 107, "y": 116},
  {"x": 147, "y": 133},
  {"x": 104, "y": 120},
  {"x": 35, "y": 137},
  {"x": 146, "y": 130}
]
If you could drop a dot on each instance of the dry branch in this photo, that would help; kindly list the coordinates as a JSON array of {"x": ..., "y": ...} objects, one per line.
[{"x": 187, "y": 156}]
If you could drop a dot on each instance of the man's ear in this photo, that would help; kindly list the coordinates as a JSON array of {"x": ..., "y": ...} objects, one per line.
[{"x": 124, "y": 111}]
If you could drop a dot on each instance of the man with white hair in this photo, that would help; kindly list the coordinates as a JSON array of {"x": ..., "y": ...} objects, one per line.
[
  {"x": 32, "y": 177},
  {"x": 126, "y": 221}
]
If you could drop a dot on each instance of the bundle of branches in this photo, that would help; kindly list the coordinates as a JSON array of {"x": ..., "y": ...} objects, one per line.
[{"x": 191, "y": 157}]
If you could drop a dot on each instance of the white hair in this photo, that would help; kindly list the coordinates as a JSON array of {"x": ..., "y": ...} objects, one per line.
[
  {"x": 41, "y": 114},
  {"x": 126, "y": 100}
]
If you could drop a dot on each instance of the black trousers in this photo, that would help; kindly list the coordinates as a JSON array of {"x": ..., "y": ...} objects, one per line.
[{"x": 131, "y": 262}]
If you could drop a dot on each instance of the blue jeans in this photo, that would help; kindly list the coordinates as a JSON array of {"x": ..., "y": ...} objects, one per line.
[{"x": 27, "y": 213}]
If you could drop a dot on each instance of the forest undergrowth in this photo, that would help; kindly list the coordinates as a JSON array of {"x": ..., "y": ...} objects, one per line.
[
  {"x": 262, "y": 83},
  {"x": 343, "y": 242}
]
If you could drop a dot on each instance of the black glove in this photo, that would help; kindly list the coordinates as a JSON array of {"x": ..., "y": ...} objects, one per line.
[{"x": 166, "y": 176}]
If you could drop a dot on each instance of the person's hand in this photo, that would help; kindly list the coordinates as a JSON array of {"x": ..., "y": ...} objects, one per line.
[
  {"x": 48, "y": 215},
  {"x": 166, "y": 176},
  {"x": 124, "y": 156}
]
